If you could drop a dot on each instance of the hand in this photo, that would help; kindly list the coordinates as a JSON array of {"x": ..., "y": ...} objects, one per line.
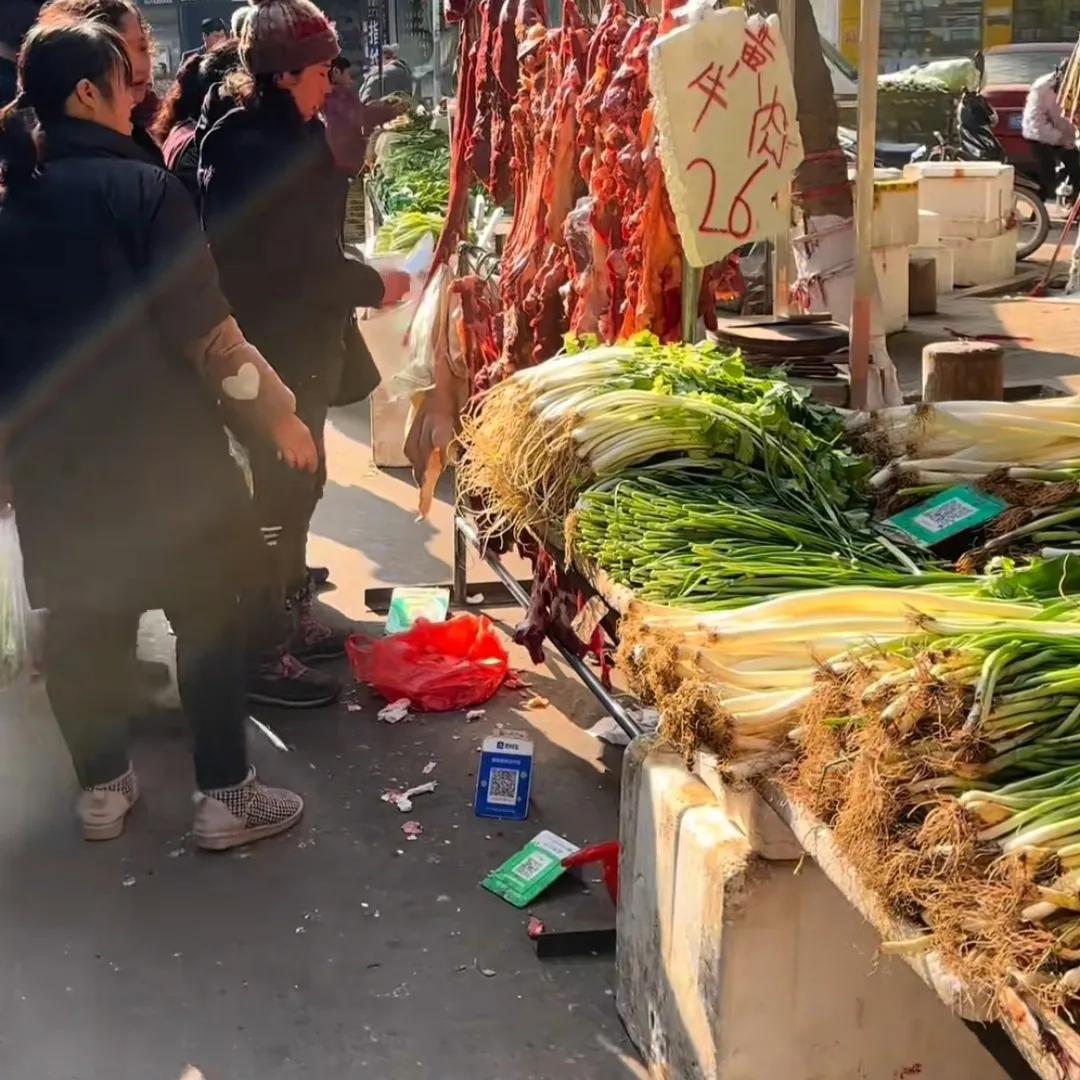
[
  {"x": 295, "y": 445},
  {"x": 396, "y": 286}
]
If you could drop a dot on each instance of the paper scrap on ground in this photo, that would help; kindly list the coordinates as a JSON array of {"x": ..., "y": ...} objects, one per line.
[
  {"x": 475, "y": 714},
  {"x": 725, "y": 109},
  {"x": 395, "y": 711},
  {"x": 609, "y": 731},
  {"x": 429, "y": 768},
  {"x": 537, "y": 702},
  {"x": 403, "y": 799}
]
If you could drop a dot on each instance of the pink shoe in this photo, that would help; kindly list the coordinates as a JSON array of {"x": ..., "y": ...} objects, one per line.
[
  {"x": 104, "y": 808},
  {"x": 249, "y": 811}
]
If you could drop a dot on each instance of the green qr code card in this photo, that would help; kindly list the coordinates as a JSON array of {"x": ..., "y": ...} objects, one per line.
[
  {"x": 526, "y": 874},
  {"x": 946, "y": 514}
]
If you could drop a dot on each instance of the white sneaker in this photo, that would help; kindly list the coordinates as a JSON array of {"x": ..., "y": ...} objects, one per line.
[
  {"x": 232, "y": 816},
  {"x": 104, "y": 808}
]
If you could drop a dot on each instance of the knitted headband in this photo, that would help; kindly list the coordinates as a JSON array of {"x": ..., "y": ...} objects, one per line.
[{"x": 286, "y": 35}]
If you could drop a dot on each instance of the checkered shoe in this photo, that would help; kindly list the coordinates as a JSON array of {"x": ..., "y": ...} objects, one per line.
[
  {"x": 104, "y": 808},
  {"x": 232, "y": 816}
]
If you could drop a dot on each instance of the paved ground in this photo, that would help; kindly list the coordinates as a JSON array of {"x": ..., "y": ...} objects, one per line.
[{"x": 339, "y": 950}]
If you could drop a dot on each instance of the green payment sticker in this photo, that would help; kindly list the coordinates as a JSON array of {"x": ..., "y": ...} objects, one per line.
[
  {"x": 524, "y": 876},
  {"x": 946, "y": 514}
]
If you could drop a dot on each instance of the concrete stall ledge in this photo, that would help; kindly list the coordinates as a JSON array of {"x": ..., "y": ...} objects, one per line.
[{"x": 741, "y": 958}]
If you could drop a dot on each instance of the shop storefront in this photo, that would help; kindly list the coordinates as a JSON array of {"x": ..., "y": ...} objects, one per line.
[{"x": 916, "y": 30}]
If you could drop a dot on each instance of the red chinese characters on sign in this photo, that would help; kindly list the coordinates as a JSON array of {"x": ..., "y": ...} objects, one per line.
[
  {"x": 711, "y": 83},
  {"x": 769, "y": 128},
  {"x": 726, "y": 109}
]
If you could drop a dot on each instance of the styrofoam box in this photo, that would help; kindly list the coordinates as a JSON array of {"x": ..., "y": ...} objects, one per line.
[
  {"x": 896, "y": 214},
  {"x": 929, "y": 228},
  {"x": 972, "y": 228},
  {"x": 983, "y": 262},
  {"x": 891, "y": 267},
  {"x": 968, "y": 190},
  {"x": 944, "y": 264}
]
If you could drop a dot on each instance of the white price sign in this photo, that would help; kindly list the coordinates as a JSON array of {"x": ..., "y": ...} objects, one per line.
[{"x": 725, "y": 109}]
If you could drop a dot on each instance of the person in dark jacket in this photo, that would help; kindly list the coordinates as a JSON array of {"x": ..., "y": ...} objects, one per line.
[
  {"x": 16, "y": 17},
  {"x": 126, "y": 496},
  {"x": 178, "y": 117},
  {"x": 214, "y": 32},
  {"x": 125, "y": 18},
  {"x": 396, "y": 77},
  {"x": 273, "y": 204}
]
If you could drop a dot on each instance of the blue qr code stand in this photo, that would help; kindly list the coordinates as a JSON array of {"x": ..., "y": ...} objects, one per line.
[{"x": 504, "y": 778}]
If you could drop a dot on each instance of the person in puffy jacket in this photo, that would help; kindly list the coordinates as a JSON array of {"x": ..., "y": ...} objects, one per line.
[
  {"x": 126, "y": 19},
  {"x": 1052, "y": 135},
  {"x": 181, "y": 110},
  {"x": 126, "y": 496},
  {"x": 273, "y": 204}
]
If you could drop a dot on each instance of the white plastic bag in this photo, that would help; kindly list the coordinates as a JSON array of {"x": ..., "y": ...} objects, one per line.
[{"x": 15, "y": 633}]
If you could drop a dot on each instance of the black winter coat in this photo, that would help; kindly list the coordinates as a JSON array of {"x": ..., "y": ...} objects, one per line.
[
  {"x": 122, "y": 476},
  {"x": 274, "y": 207}
]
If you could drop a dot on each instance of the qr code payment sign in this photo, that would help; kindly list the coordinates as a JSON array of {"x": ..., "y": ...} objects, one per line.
[
  {"x": 941, "y": 517},
  {"x": 532, "y": 867},
  {"x": 503, "y": 786}
]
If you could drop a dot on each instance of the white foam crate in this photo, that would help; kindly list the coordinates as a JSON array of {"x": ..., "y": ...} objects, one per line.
[
  {"x": 967, "y": 190},
  {"x": 891, "y": 267},
  {"x": 896, "y": 214},
  {"x": 983, "y": 262},
  {"x": 929, "y": 229},
  {"x": 972, "y": 228},
  {"x": 944, "y": 264}
]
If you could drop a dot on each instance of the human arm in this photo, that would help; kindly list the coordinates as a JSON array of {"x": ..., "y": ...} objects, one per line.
[{"x": 193, "y": 318}]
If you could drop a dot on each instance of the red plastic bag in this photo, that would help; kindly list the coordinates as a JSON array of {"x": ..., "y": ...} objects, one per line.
[{"x": 437, "y": 666}]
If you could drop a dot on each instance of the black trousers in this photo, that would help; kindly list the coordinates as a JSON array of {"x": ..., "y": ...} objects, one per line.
[
  {"x": 285, "y": 499},
  {"x": 90, "y": 673},
  {"x": 1047, "y": 158}
]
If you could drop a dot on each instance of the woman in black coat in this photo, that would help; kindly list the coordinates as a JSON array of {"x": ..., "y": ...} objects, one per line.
[
  {"x": 118, "y": 348},
  {"x": 274, "y": 205}
]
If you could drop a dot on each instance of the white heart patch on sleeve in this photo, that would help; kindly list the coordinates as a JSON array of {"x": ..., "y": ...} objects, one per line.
[{"x": 244, "y": 385}]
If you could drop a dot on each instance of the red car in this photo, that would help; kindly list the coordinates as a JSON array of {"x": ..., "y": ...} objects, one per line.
[{"x": 1010, "y": 71}]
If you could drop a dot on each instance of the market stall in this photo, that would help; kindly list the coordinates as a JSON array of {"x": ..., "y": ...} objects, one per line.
[{"x": 866, "y": 616}]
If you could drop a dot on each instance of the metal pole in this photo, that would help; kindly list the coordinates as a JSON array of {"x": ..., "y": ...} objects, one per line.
[
  {"x": 782, "y": 260},
  {"x": 859, "y": 357},
  {"x": 436, "y": 52},
  {"x": 579, "y": 668},
  {"x": 691, "y": 294}
]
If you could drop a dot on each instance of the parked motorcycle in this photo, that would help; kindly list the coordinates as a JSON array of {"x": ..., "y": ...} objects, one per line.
[{"x": 975, "y": 142}]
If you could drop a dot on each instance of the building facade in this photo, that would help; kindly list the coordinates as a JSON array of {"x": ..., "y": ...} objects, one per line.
[{"x": 917, "y": 30}]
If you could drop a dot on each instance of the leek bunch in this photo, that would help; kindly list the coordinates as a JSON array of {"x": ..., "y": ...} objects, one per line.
[
  {"x": 545, "y": 433},
  {"x": 716, "y": 534}
]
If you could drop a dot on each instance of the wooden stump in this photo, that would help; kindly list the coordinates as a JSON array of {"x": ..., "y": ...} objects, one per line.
[
  {"x": 963, "y": 371},
  {"x": 922, "y": 287}
]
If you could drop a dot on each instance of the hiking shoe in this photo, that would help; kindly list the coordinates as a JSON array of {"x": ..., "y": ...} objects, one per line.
[
  {"x": 104, "y": 808},
  {"x": 283, "y": 681},
  {"x": 318, "y": 577},
  {"x": 314, "y": 641},
  {"x": 249, "y": 811}
]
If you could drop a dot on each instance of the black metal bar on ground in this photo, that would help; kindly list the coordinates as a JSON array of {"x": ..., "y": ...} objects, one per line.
[
  {"x": 556, "y": 943},
  {"x": 575, "y": 663}
]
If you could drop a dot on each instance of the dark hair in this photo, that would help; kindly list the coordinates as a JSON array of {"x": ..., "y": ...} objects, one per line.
[
  {"x": 195, "y": 77},
  {"x": 183, "y": 101},
  {"x": 54, "y": 59},
  {"x": 213, "y": 26},
  {"x": 110, "y": 12},
  {"x": 262, "y": 92}
]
